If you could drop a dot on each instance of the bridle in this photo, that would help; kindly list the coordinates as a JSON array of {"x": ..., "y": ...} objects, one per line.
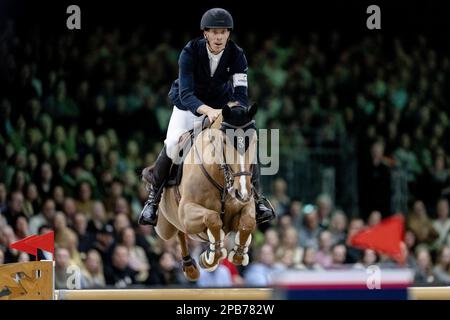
[
  {"x": 228, "y": 171},
  {"x": 229, "y": 174}
]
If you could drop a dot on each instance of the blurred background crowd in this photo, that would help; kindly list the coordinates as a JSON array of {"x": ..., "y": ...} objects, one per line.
[{"x": 80, "y": 116}]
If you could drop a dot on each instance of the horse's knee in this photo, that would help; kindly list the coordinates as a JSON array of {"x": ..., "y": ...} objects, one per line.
[
  {"x": 247, "y": 222},
  {"x": 213, "y": 221}
]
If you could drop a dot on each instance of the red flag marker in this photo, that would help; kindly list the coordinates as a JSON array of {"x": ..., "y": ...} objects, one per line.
[
  {"x": 44, "y": 242},
  {"x": 385, "y": 238},
  {"x": 32, "y": 243},
  {"x": 23, "y": 245}
]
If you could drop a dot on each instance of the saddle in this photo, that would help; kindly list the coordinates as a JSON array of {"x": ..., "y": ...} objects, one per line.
[
  {"x": 176, "y": 171},
  {"x": 185, "y": 143}
]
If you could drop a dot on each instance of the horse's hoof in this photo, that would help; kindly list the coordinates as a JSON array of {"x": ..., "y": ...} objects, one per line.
[
  {"x": 233, "y": 258},
  {"x": 206, "y": 266},
  {"x": 191, "y": 272},
  {"x": 238, "y": 259}
]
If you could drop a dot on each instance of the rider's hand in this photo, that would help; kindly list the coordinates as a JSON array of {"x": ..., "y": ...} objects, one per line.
[{"x": 211, "y": 113}]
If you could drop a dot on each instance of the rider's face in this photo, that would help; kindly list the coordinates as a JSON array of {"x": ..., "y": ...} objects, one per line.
[{"x": 217, "y": 39}]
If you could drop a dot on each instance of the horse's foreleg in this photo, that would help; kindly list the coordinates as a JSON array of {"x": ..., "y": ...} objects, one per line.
[
  {"x": 190, "y": 268},
  {"x": 239, "y": 254},
  {"x": 198, "y": 219}
]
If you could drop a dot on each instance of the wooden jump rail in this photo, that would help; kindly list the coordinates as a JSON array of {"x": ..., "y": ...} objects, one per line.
[
  {"x": 416, "y": 293},
  {"x": 35, "y": 281},
  {"x": 166, "y": 294}
]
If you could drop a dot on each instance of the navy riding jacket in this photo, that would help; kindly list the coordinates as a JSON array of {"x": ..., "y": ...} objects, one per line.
[{"x": 195, "y": 86}]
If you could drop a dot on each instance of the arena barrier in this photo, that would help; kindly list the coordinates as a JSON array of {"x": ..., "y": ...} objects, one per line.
[
  {"x": 27, "y": 281},
  {"x": 35, "y": 281}
]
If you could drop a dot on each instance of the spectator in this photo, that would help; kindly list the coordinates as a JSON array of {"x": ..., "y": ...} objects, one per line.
[
  {"x": 85, "y": 238},
  {"x": 84, "y": 201},
  {"x": 93, "y": 271},
  {"x": 45, "y": 180},
  {"x": 59, "y": 197},
  {"x": 424, "y": 273},
  {"x": 119, "y": 274},
  {"x": 15, "y": 206},
  {"x": 69, "y": 208},
  {"x": 220, "y": 277},
  {"x": 375, "y": 183},
  {"x": 375, "y": 218},
  {"x": 138, "y": 258},
  {"x": 7, "y": 237},
  {"x": 289, "y": 243},
  {"x": 99, "y": 218},
  {"x": 369, "y": 258},
  {"x": 104, "y": 244},
  {"x": 324, "y": 209},
  {"x": 280, "y": 199},
  {"x": 66, "y": 238},
  {"x": 67, "y": 276},
  {"x": 45, "y": 217},
  {"x": 32, "y": 202},
  {"x": 115, "y": 192},
  {"x": 259, "y": 273},
  {"x": 121, "y": 222},
  {"x": 21, "y": 227},
  {"x": 354, "y": 254},
  {"x": 324, "y": 257},
  {"x": 338, "y": 255},
  {"x": 271, "y": 237},
  {"x": 442, "y": 270},
  {"x": 419, "y": 223},
  {"x": 338, "y": 227},
  {"x": 442, "y": 224},
  {"x": 309, "y": 261},
  {"x": 165, "y": 272},
  {"x": 309, "y": 233},
  {"x": 295, "y": 212},
  {"x": 436, "y": 183}
]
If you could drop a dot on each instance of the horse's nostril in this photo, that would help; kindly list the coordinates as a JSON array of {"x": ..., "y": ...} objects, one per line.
[{"x": 240, "y": 197}]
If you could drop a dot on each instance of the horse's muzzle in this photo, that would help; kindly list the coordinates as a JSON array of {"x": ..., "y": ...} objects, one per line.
[{"x": 242, "y": 198}]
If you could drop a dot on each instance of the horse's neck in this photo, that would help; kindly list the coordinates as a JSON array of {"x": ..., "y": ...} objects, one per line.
[{"x": 205, "y": 144}]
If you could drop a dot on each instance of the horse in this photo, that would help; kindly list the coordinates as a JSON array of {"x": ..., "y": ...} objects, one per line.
[{"x": 215, "y": 195}]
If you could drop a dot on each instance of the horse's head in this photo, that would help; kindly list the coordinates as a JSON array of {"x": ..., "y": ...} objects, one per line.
[{"x": 240, "y": 149}]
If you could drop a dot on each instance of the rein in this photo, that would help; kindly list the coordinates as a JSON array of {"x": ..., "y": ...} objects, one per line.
[{"x": 228, "y": 172}]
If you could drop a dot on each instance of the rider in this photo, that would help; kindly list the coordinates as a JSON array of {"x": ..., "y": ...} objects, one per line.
[{"x": 206, "y": 66}]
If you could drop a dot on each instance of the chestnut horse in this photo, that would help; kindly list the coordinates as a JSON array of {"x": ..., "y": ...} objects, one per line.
[{"x": 215, "y": 195}]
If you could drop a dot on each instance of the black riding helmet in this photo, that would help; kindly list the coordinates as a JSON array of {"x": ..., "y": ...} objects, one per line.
[{"x": 216, "y": 18}]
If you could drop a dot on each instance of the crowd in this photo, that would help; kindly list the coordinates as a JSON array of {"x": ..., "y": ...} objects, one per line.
[{"x": 80, "y": 116}]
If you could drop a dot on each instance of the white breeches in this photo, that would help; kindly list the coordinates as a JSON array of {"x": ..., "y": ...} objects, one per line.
[{"x": 180, "y": 122}]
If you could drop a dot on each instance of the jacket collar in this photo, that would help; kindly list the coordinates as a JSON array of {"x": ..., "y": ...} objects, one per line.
[{"x": 205, "y": 58}]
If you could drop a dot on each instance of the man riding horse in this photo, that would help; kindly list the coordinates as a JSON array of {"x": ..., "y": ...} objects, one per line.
[{"x": 212, "y": 72}]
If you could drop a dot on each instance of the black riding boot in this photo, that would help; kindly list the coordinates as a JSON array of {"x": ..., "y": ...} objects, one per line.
[
  {"x": 156, "y": 179},
  {"x": 264, "y": 210}
]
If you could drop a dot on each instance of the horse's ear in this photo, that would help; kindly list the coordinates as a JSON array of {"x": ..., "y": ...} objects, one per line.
[
  {"x": 226, "y": 111},
  {"x": 252, "y": 110}
]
